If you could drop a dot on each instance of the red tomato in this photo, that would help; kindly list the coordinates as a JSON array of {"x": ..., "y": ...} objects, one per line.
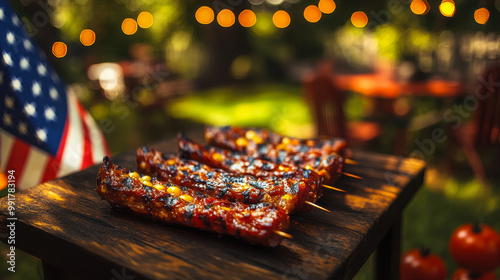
[
  {"x": 421, "y": 264},
  {"x": 476, "y": 248},
  {"x": 462, "y": 274}
]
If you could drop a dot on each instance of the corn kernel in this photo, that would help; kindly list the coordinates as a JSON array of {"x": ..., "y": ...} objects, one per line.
[
  {"x": 283, "y": 168},
  {"x": 250, "y": 134},
  {"x": 145, "y": 178},
  {"x": 147, "y": 183},
  {"x": 171, "y": 161},
  {"x": 242, "y": 142},
  {"x": 226, "y": 208},
  {"x": 159, "y": 187},
  {"x": 134, "y": 175},
  {"x": 308, "y": 167},
  {"x": 186, "y": 197},
  {"x": 285, "y": 140},
  {"x": 287, "y": 197},
  {"x": 257, "y": 140},
  {"x": 217, "y": 157},
  {"x": 174, "y": 191}
]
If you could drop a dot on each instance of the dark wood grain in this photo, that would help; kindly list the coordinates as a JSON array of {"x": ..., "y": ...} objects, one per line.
[{"x": 66, "y": 224}]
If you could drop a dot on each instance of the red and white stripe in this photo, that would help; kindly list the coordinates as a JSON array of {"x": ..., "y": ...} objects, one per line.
[{"x": 82, "y": 145}]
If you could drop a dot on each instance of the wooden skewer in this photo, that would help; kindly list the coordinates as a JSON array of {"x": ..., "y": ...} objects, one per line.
[
  {"x": 351, "y": 175},
  {"x": 332, "y": 188},
  {"x": 282, "y": 233},
  {"x": 350, "y": 161},
  {"x": 317, "y": 206}
]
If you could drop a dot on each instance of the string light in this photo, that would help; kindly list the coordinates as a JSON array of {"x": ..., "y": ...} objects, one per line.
[
  {"x": 281, "y": 19},
  {"x": 145, "y": 19},
  {"x": 247, "y": 18},
  {"x": 129, "y": 26},
  {"x": 87, "y": 37},
  {"x": 481, "y": 15},
  {"x": 359, "y": 19},
  {"x": 420, "y": 7},
  {"x": 447, "y": 8},
  {"x": 225, "y": 18},
  {"x": 312, "y": 13},
  {"x": 59, "y": 49},
  {"x": 204, "y": 15},
  {"x": 327, "y": 6}
]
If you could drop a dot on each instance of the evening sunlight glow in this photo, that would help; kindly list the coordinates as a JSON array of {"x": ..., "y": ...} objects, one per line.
[
  {"x": 129, "y": 26},
  {"x": 225, "y": 18},
  {"x": 59, "y": 49},
  {"x": 281, "y": 19},
  {"x": 359, "y": 19},
  {"x": 420, "y": 7},
  {"x": 87, "y": 37},
  {"x": 481, "y": 15},
  {"x": 447, "y": 8},
  {"x": 204, "y": 15},
  {"x": 145, "y": 19},
  {"x": 327, "y": 6},
  {"x": 247, "y": 18},
  {"x": 312, "y": 13}
]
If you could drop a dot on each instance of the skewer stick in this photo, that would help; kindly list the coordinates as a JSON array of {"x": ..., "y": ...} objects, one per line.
[
  {"x": 282, "y": 233},
  {"x": 332, "y": 188},
  {"x": 351, "y": 175},
  {"x": 350, "y": 161},
  {"x": 317, "y": 206}
]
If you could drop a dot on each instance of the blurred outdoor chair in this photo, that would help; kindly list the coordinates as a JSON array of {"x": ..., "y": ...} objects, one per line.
[
  {"x": 483, "y": 131},
  {"x": 326, "y": 102}
]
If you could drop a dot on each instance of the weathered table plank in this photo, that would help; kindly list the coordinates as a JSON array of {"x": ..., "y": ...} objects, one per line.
[{"x": 78, "y": 235}]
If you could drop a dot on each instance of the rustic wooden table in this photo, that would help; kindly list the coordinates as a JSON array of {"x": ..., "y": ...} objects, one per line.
[{"x": 79, "y": 236}]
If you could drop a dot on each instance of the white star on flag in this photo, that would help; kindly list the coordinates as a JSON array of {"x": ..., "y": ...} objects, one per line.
[
  {"x": 44, "y": 131},
  {"x": 36, "y": 89},
  {"x": 50, "y": 115},
  {"x": 30, "y": 109},
  {"x": 24, "y": 63}
]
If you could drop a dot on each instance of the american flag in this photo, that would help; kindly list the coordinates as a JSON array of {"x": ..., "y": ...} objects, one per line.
[{"x": 44, "y": 131}]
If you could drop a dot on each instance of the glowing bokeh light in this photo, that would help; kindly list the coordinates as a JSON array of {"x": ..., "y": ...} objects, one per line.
[
  {"x": 129, "y": 26},
  {"x": 247, "y": 18},
  {"x": 327, "y": 6},
  {"x": 225, "y": 18},
  {"x": 281, "y": 19},
  {"x": 87, "y": 37},
  {"x": 145, "y": 19},
  {"x": 481, "y": 15},
  {"x": 59, "y": 49},
  {"x": 312, "y": 13},
  {"x": 359, "y": 19},
  {"x": 204, "y": 15},
  {"x": 447, "y": 8},
  {"x": 420, "y": 7}
]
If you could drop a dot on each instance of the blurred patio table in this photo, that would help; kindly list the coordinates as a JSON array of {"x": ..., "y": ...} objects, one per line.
[
  {"x": 79, "y": 236},
  {"x": 375, "y": 85}
]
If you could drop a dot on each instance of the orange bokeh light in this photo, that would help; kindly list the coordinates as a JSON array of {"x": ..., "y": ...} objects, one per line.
[
  {"x": 204, "y": 15},
  {"x": 359, "y": 19},
  {"x": 327, "y": 6},
  {"x": 420, "y": 7},
  {"x": 226, "y": 18},
  {"x": 145, "y": 19},
  {"x": 481, "y": 15},
  {"x": 129, "y": 26},
  {"x": 59, "y": 49},
  {"x": 447, "y": 8},
  {"x": 312, "y": 13},
  {"x": 247, "y": 18},
  {"x": 281, "y": 19},
  {"x": 87, "y": 37}
]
